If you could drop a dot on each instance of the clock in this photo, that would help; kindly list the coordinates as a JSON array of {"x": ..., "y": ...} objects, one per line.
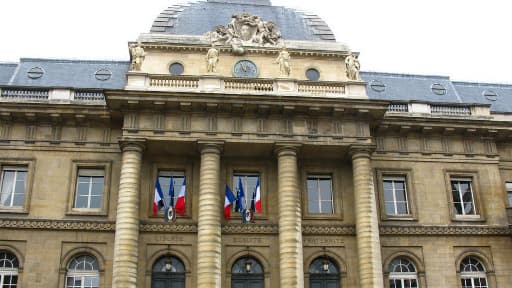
[{"x": 245, "y": 69}]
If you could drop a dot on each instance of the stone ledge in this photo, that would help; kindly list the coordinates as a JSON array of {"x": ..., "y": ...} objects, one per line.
[
  {"x": 46, "y": 224},
  {"x": 250, "y": 228},
  {"x": 445, "y": 230}
]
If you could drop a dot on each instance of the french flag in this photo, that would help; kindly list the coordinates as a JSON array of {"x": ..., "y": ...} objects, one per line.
[
  {"x": 257, "y": 198},
  {"x": 228, "y": 199},
  {"x": 180, "y": 203},
  {"x": 158, "y": 202}
]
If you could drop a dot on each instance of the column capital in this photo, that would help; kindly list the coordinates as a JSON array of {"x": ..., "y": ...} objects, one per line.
[
  {"x": 132, "y": 144},
  {"x": 286, "y": 148},
  {"x": 358, "y": 151},
  {"x": 210, "y": 146}
]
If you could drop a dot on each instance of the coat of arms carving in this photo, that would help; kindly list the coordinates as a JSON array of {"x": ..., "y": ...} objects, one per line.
[{"x": 246, "y": 30}]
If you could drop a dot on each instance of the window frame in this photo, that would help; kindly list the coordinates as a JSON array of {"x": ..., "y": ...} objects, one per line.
[
  {"x": 407, "y": 175},
  {"x": 474, "y": 275},
  {"x": 184, "y": 167},
  {"x": 73, "y": 189},
  {"x": 317, "y": 178},
  {"x": 475, "y": 189},
  {"x": 10, "y": 271},
  {"x": 29, "y": 165},
  {"x": 403, "y": 276},
  {"x": 82, "y": 273},
  {"x": 337, "y": 191},
  {"x": 509, "y": 193},
  {"x": 234, "y": 188},
  {"x": 241, "y": 167}
]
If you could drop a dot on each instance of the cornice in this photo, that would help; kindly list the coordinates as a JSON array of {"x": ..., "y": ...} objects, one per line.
[
  {"x": 345, "y": 230},
  {"x": 250, "y": 228},
  {"x": 473, "y": 230},
  {"x": 174, "y": 228},
  {"x": 48, "y": 224}
]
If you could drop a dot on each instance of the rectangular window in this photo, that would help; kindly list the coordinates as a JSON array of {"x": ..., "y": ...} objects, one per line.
[
  {"x": 508, "y": 186},
  {"x": 249, "y": 181},
  {"x": 462, "y": 195},
  {"x": 320, "y": 200},
  {"x": 395, "y": 196},
  {"x": 14, "y": 182},
  {"x": 164, "y": 178},
  {"x": 89, "y": 188}
]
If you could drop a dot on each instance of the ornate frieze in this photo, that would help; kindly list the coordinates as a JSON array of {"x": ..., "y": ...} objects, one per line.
[
  {"x": 250, "y": 228},
  {"x": 329, "y": 230},
  {"x": 46, "y": 224},
  {"x": 174, "y": 228},
  {"x": 445, "y": 230}
]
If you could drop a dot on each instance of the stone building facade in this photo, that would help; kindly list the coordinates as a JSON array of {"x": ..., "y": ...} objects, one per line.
[{"x": 366, "y": 179}]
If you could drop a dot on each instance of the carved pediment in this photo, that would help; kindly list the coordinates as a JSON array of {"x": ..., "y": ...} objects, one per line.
[{"x": 246, "y": 30}]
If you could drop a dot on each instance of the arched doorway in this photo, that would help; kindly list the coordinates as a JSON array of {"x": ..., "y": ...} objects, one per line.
[
  {"x": 324, "y": 273},
  {"x": 247, "y": 272},
  {"x": 168, "y": 272}
]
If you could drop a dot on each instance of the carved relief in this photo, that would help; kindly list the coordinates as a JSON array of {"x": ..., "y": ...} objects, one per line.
[
  {"x": 312, "y": 125},
  {"x": 81, "y": 135},
  {"x": 5, "y": 131},
  {"x": 30, "y": 133},
  {"x": 237, "y": 126},
  {"x": 56, "y": 131},
  {"x": 425, "y": 144},
  {"x": 185, "y": 123},
  {"x": 212, "y": 124},
  {"x": 107, "y": 135},
  {"x": 468, "y": 145},
  {"x": 131, "y": 121},
  {"x": 338, "y": 129},
  {"x": 402, "y": 144},
  {"x": 137, "y": 56},
  {"x": 489, "y": 146},
  {"x": 379, "y": 141},
  {"x": 159, "y": 123},
  {"x": 246, "y": 29}
]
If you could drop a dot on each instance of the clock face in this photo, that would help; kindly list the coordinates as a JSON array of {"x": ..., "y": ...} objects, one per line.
[{"x": 245, "y": 69}]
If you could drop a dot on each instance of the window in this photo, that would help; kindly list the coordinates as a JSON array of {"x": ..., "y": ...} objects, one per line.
[
  {"x": 83, "y": 272},
  {"x": 8, "y": 270},
  {"x": 247, "y": 272},
  {"x": 249, "y": 181},
  {"x": 508, "y": 186},
  {"x": 13, "y": 186},
  {"x": 164, "y": 178},
  {"x": 323, "y": 272},
  {"x": 462, "y": 193},
  {"x": 169, "y": 272},
  {"x": 320, "y": 200},
  {"x": 402, "y": 274},
  {"x": 89, "y": 188},
  {"x": 472, "y": 273},
  {"x": 395, "y": 196}
]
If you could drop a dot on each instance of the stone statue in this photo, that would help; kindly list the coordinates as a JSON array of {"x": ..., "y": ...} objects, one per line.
[
  {"x": 246, "y": 30},
  {"x": 137, "y": 56},
  {"x": 212, "y": 58},
  {"x": 352, "y": 66},
  {"x": 284, "y": 63}
]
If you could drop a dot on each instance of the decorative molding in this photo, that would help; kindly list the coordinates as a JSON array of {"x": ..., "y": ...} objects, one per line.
[
  {"x": 46, "y": 224},
  {"x": 250, "y": 228},
  {"x": 170, "y": 227},
  {"x": 329, "y": 229},
  {"x": 445, "y": 230}
]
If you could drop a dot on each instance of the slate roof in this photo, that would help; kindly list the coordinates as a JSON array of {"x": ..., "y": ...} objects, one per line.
[
  {"x": 404, "y": 87},
  {"x": 78, "y": 74},
  {"x": 198, "y": 18},
  {"x": 6, "y": 72}
]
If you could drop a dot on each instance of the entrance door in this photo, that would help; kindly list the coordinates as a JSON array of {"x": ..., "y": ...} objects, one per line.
[
  {"x": 168, "y": 272},
  {"x": 247, "y": 272},
  {"x": 324, "y": 273}
]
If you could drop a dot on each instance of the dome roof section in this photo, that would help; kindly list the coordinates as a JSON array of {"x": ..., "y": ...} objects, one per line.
[{"x": 200, "y": 17}]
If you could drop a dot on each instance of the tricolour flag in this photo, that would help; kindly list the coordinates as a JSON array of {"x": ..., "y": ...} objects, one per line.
[
  {"x": 228, "y": 199},
  {"x": 180, "y": 203},
  {"x": 256, "y": 201},
  {"x": 158, "y": 202}
]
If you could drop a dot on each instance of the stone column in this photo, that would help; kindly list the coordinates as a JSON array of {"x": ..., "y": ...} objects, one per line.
[
  {"x": 367, "y": 226},
  {"x": 290, "y": 219},
  {"x": 209, "y": 229},
  {"x": 126, "y": 242}
]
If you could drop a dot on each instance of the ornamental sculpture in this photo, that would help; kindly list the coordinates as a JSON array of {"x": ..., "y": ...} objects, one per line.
[
  {"x": 137, "y": 56},
  {"x": 246, "y": 30},
  {"x": 212, "y": 58},
  {"x": 352, "y": 66},
  {"x": 284, "y": 63}
]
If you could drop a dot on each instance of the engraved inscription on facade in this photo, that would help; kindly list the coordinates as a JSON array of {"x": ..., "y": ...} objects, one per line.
[{"x": 323, "y": 242}]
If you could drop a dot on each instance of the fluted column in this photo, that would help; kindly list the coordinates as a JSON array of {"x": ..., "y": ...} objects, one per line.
[
  {"x": 367, "y": 226},
  {"x": 126, "y": 241},
  {"x": 290, "y": 226},
  {"x": 209, "y": 229}
]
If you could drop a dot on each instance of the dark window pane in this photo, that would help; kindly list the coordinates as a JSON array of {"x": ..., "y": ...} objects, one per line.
[
  {"x": 390, "y": 208},
  {"x": 400, "y": 195},
  {"x": 96, "y": 202},
  {"x": 402, "y": 208}
]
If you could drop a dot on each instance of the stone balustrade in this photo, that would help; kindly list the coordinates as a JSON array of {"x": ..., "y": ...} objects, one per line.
[
  {"x": 451, "y": 110},
  {"x": 55, "y": 95}
]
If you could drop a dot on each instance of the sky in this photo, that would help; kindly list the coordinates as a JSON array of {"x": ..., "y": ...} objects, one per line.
[{"x": 467, "y": 40}]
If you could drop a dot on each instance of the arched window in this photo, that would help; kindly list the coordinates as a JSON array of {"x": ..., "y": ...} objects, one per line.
[
  {"x": 472, "y": 273},
  {"x": 247, "y": 272},
  {"x": 8, "y": 270},
  {"x": 402, "y": 274},
  {"x": 83, "y": 272},
  {"x": 168, "y": 272},
  {"x": 324, "y": 273}
]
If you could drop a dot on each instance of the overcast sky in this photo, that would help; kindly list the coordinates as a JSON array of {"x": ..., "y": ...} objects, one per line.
[{"x": 467, "y": 40}]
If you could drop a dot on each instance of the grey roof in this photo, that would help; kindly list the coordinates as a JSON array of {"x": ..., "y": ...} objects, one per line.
[
  {"x": 6, "y": 72},
  {"x": 404, "y": 87},
  {"x": 198, "y": 18},
  {"x": 69, "y": 73}
]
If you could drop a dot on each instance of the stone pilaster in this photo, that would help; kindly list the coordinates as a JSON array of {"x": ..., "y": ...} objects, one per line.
[
  {"x": 367, "y": 226},
  {"x": 209, "y": 227},
  {"x": 290, "y": 226},
  {"x": 126, "y": 242}
]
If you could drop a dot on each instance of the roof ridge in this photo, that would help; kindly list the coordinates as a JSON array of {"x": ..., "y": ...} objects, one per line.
[
  {"x": 60, "y": 60},
  {"x": 405, "y": 75}
]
